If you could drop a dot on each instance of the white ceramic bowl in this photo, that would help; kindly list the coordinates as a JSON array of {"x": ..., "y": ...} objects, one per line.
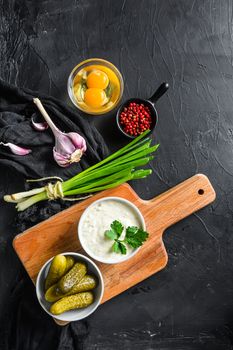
[
  {"x": 85, "y": 246},
  {"x": 78, "y": 314}
]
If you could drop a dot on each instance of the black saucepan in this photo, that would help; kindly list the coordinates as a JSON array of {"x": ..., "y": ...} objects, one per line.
[{"x": 150, "y": 102}]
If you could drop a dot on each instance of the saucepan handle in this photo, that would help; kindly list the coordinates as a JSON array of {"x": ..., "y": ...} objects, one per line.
[{"x": 159, "y": 92}]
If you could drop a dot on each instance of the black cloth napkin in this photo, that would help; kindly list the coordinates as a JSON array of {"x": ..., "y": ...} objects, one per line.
[
  {"x": 16, "y": 110},
  {"x": 24, "y": 325}
]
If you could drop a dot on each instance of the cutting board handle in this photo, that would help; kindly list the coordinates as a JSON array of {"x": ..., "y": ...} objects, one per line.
[{"x": 179, "y": 202}]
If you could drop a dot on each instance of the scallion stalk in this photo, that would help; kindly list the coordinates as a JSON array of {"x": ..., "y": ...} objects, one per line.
[{"x": 119, "y": 167}]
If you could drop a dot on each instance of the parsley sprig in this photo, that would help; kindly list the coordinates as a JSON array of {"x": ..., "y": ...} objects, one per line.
[{"x": 134, "y": 237}]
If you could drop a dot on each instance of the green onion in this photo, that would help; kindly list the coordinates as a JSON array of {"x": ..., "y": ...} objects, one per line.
[{"x": 119, "y": 167}]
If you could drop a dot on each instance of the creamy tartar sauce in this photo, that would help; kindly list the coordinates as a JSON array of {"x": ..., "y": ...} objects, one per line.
[{"x": 98, "y": 219}]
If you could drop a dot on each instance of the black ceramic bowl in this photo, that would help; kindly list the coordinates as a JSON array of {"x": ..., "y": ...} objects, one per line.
[{"x": 150, "y": 103}]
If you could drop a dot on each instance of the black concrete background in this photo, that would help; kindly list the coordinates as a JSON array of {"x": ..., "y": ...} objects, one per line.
[{"x": 189, "y": 44}]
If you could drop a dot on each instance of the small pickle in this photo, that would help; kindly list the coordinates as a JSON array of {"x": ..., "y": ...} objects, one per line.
[
  {"x": 53, "y": 294},
  {"x": 72, "y": 277},
  {"x": 56, "y": 271},
  {"x": 72, "y": 302},
  {"x": 69, "y": 262},
  {"x": 88, "y": 282}
]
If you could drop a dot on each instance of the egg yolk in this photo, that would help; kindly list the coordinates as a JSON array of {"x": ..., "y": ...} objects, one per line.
[
  {"x": 97, "y": 79},
  {"x": 94, "y": 97}
]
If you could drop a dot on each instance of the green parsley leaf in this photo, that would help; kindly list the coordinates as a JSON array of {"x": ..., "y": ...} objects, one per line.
[
  {"x": 116, "y": 247},
  {"x": 115, "y": 231},
  {"x": 119, "y": 247},
  {"x": 117, "y": 227},
  {"x": 122, "y": 248},
  {"x": 110, "y": 234},
  {"x": 135, "y": 236},
  {"x": 131, "y": 230}
]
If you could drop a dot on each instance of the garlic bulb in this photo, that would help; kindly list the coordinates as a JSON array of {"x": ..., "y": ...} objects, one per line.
[{"x": 69, "y": 147}]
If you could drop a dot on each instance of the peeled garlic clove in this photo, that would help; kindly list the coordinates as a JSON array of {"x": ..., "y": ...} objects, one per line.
[{"x": 20, "y": 151}]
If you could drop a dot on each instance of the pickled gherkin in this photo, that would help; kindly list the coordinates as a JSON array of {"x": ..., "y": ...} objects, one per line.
[
  {"x": 69, "y": 262},
  {"x": 53, "y": 294},
  {"x": 56, "y": 271},
  {"x": 72, "y": 302},
  {"x": 72, "y": 277},
  {"x": 87, "y": 283}
]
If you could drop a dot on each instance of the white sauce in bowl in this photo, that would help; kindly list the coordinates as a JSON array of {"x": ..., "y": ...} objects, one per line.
[{"x": 97, "y": 218}]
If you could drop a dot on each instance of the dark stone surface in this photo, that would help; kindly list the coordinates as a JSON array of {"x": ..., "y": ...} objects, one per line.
[{"x": 189, "y": 44}]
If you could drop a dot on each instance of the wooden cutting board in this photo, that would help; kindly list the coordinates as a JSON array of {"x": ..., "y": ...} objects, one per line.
[{"x": 59, "y": 233}]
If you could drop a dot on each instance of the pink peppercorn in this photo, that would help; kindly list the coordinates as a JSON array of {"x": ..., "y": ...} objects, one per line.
[{"x": 135, "y": 119}]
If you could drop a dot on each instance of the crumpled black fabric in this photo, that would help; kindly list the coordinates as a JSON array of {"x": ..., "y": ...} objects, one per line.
[
  {"x": 16, "y": 110},
  {"x": 27, "y": 327},
  {"x": 24, "y": 325}
]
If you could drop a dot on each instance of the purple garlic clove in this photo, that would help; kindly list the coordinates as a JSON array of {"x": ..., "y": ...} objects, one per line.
[
  {"x": 78, "y": 141},
  {"x": 39, "y": 126},
  {"x": 60, "y": 159},
  {"x": 20, "y": 151}
]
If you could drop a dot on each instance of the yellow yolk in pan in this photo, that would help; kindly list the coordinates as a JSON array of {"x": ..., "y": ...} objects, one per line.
[
  {"x": 94, "y": 97},
  {"x": 97, "y": 79}
]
